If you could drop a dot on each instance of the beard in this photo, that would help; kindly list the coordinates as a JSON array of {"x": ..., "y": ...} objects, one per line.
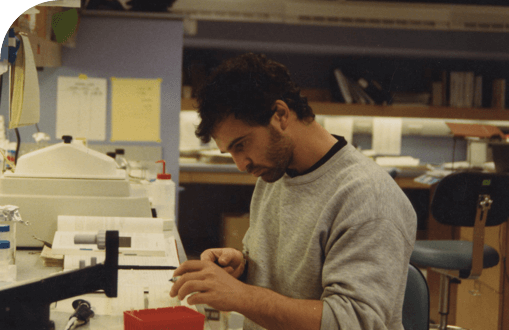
[{"x": 279, "y": 153}]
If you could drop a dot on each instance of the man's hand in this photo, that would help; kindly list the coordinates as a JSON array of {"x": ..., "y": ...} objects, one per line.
[
  {"x": 230, "y": 259},
  {"x": 210, "y": 284}
]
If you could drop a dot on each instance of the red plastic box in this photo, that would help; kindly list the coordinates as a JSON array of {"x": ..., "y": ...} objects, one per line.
[{"x": 168, "y": 318}]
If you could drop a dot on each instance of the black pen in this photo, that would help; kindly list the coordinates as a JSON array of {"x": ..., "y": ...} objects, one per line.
[{"x": 139, "y": 267}]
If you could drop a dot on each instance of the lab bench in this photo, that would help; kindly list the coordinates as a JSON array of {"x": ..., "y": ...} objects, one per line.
[{"x": 30, "y": 267}]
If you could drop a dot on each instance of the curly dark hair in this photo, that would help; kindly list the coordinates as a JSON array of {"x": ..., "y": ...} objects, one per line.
[{"x": 247, "y": 86}]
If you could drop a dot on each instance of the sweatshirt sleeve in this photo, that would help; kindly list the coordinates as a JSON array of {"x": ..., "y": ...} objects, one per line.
[{"x": 364, "y": 276}]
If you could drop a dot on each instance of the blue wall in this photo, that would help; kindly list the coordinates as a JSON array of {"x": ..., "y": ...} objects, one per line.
[{"x": 123, "y": 48}]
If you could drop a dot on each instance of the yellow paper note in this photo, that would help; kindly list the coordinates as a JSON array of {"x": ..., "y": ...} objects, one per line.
[{"x": 135, "y": 109}]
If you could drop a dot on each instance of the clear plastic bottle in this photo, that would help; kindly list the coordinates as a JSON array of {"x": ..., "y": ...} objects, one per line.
[
  {"x": 162, "y": 193},
  {"x": 122, "y": 163},
  {"x": 7, "y": 267}
]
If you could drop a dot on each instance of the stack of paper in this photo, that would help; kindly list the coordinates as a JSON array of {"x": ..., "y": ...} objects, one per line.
[{"x": 51, "y": 259}]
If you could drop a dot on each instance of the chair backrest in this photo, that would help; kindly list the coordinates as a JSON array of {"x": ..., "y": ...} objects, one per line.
[
  {"x": 456, "y": 197},
  {"x": 416, "y": 303}
]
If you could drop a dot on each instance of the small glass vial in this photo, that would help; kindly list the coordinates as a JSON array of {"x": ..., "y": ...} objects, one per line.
[{"x": 7, "y": 267}]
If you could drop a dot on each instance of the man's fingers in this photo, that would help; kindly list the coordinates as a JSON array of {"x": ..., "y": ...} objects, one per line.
[
  {"x": 192, "y": 286},
  {"x": 199, "y": 298},
  {"x": 225, "y": 259},
  {"x": 189, "y": 266},
  {"x": 209, "y": 255},
  {"x": 187, "y": 277}
]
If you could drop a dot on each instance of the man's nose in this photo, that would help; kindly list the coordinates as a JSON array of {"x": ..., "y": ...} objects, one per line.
[{"x": 241, "y": 161}]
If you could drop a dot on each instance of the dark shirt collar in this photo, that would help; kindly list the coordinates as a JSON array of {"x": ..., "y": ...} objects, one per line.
[{"x": 335, "y": 148}]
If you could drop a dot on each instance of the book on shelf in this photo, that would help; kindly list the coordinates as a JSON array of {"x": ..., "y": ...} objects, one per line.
[
  {"x": 445, "y": 81},
  {"x": 468, "y": 89},
  {"x": 360, "y": 94},
  {"x": 456, "y": 89},
  {"x": 461, "y": 89},
  {"x": 498, "y": 95},
  {"x": 344, "y": 86},
  {"x": 363, "y": 90},
  {"x": 477, "y": 102},
  {"x": 375, "y": 91},
  {"x": 411, "y": 98},
  {"x": 436, "y": 93}
]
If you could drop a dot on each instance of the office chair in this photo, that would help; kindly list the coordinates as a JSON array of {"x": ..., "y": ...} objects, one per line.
[
  {"x": 470, "y": 199},
  {"x": 416, "y": 302}
]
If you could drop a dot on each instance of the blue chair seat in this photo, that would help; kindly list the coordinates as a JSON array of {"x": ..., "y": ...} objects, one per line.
[
  {"x": 454, "y": 255},
  {"x": 416, "y": 302}
]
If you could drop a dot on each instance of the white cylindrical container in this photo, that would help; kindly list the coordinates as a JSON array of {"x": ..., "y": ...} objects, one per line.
[
  {"x": 5, "y": 253},
  {"x": 5, "y": 231},
  {"x": 162, "y": 193},
  {"x": 7, "y": 266}
]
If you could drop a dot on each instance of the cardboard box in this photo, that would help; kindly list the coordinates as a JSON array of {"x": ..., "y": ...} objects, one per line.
[{"x": 234, "y": 227}]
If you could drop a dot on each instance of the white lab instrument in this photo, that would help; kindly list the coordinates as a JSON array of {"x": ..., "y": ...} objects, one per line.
[{"x": 67, "y": 179}]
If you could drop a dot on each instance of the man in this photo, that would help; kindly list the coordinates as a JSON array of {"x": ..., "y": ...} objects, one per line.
[{"x": 330, "y": 233}]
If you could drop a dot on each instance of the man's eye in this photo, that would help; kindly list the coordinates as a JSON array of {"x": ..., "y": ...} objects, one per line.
[{"x": 239, "y": 146}]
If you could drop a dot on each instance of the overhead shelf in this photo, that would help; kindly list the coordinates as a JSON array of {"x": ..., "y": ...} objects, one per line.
[{"x": 407, "y": 111}]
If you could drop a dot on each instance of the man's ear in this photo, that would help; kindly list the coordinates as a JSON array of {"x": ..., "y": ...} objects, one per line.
[{"x": 282, "y": 114}]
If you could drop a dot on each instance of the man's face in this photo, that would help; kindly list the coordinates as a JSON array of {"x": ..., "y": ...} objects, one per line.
[{"x": 262, "y": 151}]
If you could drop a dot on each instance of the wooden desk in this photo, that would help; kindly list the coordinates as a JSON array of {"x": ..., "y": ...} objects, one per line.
[
  {"x": 209, "y": 177},
  {"x": 231, "y": 177}
]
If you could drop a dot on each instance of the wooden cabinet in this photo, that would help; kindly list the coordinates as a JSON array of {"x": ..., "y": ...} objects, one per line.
[{"x": 480, "y": 303}]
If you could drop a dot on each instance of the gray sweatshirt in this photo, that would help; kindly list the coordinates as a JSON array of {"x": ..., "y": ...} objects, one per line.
[{"x": 342, "y": 233}]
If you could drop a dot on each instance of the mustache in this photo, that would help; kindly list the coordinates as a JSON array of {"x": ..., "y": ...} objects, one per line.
[{"x": 252, "y": 168}]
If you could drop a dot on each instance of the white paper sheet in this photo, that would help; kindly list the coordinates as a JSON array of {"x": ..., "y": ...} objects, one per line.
[
  {"x": 25, "y": 105},
  {"x": 387, "y": 136},
  {"x": 189, "y": 120},
  {"x": 81, "y": 107}
]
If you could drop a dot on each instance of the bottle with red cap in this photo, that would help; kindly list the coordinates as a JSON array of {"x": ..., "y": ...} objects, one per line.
[{"x": 162, "y": 193}]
